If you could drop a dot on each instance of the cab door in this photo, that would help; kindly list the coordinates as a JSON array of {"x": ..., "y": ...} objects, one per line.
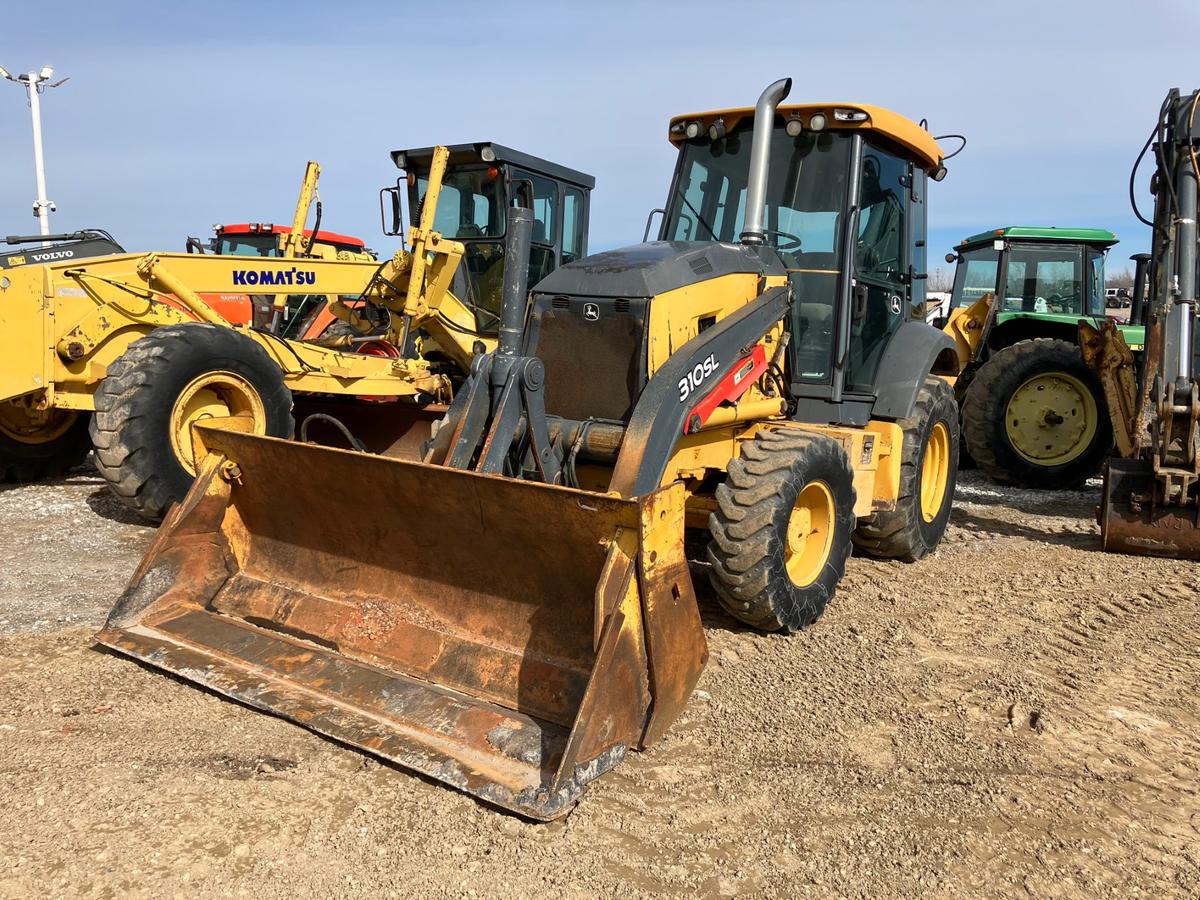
[{"x": 880, "y": 291}]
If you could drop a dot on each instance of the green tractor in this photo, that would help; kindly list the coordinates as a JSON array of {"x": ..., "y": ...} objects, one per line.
[{"x": 1033, "y": 414}]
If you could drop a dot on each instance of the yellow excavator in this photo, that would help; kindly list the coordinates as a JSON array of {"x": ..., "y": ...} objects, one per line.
[{"x": 512, "y": 612}]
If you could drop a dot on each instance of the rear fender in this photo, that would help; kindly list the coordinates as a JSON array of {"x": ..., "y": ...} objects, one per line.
[{"x": 915, "y": 352}]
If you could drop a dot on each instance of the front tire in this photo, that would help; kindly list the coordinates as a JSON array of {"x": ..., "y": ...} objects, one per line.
[
  {"x": 1035, "y": 416},
  {"x": 36, "y": 445},
  {"x": 160, "y": 386},
  {"x": 928, "y": 472},
  {"x": 781, "y": 530}
]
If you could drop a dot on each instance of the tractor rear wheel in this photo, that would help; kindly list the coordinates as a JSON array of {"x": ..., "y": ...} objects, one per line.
[
  {"x": 166, "y": 381},
  {"x": 40, "y": 444},
  {"x": 781, "y": 529},
  {"x": 1035, "y": 416},
  {"x": 928, "y": 471}
]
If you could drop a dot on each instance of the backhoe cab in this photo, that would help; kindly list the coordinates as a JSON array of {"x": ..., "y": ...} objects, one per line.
[{"x": 515, "y": 611}]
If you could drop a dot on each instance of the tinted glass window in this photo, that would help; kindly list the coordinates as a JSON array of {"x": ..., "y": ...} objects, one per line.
[
  {"x": 805, "y": 196},
  {"x": 880, "y": 264},
  {"x": 572, "y": 247},
  {"x": 1096, "y": 282},
  {"x": 545, "y": 207},
  {"x": 975, "y": 275},
  {"x": 249, "y": 245},
  {"x": 468, "y": 206},
  {"x": 805, "y": 190},
  {"x": 1045, "y": 279}
]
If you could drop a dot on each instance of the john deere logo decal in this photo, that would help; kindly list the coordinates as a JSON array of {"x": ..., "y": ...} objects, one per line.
[{"x": 591, "y": 312}]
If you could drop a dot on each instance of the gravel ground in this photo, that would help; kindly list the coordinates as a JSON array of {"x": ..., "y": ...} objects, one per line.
[{"x": 1018, "y": 713}]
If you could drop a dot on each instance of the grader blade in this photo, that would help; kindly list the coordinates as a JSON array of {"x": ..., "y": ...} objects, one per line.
[{"x": 507, "y": 638}]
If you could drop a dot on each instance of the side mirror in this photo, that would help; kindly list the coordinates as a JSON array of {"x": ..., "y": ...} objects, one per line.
[
  {"x": 391, "y": 204},
  {"x": 649, "y": 219}
]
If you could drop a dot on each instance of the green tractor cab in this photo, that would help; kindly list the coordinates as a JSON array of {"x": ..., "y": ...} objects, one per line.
[{"x": 1033, "y": 414}]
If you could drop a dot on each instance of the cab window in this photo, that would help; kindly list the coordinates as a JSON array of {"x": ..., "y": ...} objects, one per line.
[
  {"x": 573, "y": 217},
  {"x": 1096, "y": 292},
  {"x": 1044, "y": 279}
]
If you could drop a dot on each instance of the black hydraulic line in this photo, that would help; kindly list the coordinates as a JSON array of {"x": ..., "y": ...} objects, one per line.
[
  {"x": 336, "y": 423},
  {"x": 312, "y": 238}
]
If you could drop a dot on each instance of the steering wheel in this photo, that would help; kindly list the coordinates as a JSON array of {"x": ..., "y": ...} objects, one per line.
[
  {"x": 1059, "y": 300},
  {"x": 791, "y": 243}
]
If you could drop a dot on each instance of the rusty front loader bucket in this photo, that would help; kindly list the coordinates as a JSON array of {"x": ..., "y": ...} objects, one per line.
[
  {"x": 1130, "y": 522},
  {"x": 508, "y": 638}
]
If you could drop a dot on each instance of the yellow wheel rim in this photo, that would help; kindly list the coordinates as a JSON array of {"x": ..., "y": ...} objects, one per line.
[
  {"x": 1051, "y": 419},
  {"x": 809, "y": 534},
  {"x": 213, "y": 395},
  {"x": 935, "y": 471},
  {"x": 32, "y": 426}
]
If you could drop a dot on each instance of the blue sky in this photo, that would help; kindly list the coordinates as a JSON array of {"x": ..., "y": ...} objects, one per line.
[{"x": 180, "y": 116}]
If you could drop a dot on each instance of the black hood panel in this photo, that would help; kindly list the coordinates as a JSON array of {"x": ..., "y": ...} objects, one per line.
[{"x": 655, "y": 267}]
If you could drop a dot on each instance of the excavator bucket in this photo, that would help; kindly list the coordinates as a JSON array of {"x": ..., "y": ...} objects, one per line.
[
  {"x": 1131, "y": 522},
  {"x": 508, "y": 638}
]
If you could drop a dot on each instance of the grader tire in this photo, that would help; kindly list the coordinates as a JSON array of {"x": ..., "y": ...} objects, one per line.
[
  {"x": 1018, "y": 439},
  {"x": 29, "y": 453},
  {"x": 781, "y": 530},
  {"x": 928, "y": 471},
  {"x": 166, "y": 380}
]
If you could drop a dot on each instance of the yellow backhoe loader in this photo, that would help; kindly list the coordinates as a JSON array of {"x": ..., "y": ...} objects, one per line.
[
  {"x": 123, "y": 353},
  {"x": 514, "y": 611}
]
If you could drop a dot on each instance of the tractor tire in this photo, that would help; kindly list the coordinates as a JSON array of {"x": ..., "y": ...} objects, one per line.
[
  {"x": 32, "y": 450},
  {"x": 928, "y": 471},
  {"x": 781, "y": 530},
  {"x": 1035, "y": 416},
  {"x": 172, "y": 377}
]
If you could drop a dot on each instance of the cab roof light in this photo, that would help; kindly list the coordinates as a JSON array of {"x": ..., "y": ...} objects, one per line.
[
  {"x": 817, "y": 122},
  {"x": 794, "y": 126},
  {"x": 400, "y": 159},
  {"x": 716, "y": 130},
  {"x": 487, "y": 153},
  {"x": 849, "y": 115},
  {"x": 693, "y": 129}
]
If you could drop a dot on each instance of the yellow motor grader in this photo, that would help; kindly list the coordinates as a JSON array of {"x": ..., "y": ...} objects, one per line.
[
  {"x": 513, "y": 611},
  {"x": 124, "y": 353}
]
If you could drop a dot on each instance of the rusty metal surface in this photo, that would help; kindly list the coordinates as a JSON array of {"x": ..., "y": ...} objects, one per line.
[
  {"x": 1130, "y": 522},
  {"x": 1105, "y": 352},
  {"x": 487, "y": 632}
]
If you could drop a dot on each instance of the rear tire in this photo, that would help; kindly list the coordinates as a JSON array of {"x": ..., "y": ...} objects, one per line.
[
  {"x": 166, "y": 380},
  {"x": 781, "y": 530},
  {"x": 31, "y": 449},
  {"x": 1035, "y": 416},
  {"x": 928, "y": 472}
]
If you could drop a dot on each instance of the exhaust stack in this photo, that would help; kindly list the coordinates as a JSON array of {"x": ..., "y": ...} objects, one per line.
[{"x": 760, "y": 159}]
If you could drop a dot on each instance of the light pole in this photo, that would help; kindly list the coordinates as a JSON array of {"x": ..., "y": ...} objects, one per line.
[{"x": 35, "y": 83}]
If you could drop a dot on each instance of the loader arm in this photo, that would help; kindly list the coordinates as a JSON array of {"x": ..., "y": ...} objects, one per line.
[{"x": 665, "y": 406}]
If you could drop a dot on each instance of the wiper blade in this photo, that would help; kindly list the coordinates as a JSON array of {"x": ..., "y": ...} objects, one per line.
[{"x": 696, "y": 213}]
